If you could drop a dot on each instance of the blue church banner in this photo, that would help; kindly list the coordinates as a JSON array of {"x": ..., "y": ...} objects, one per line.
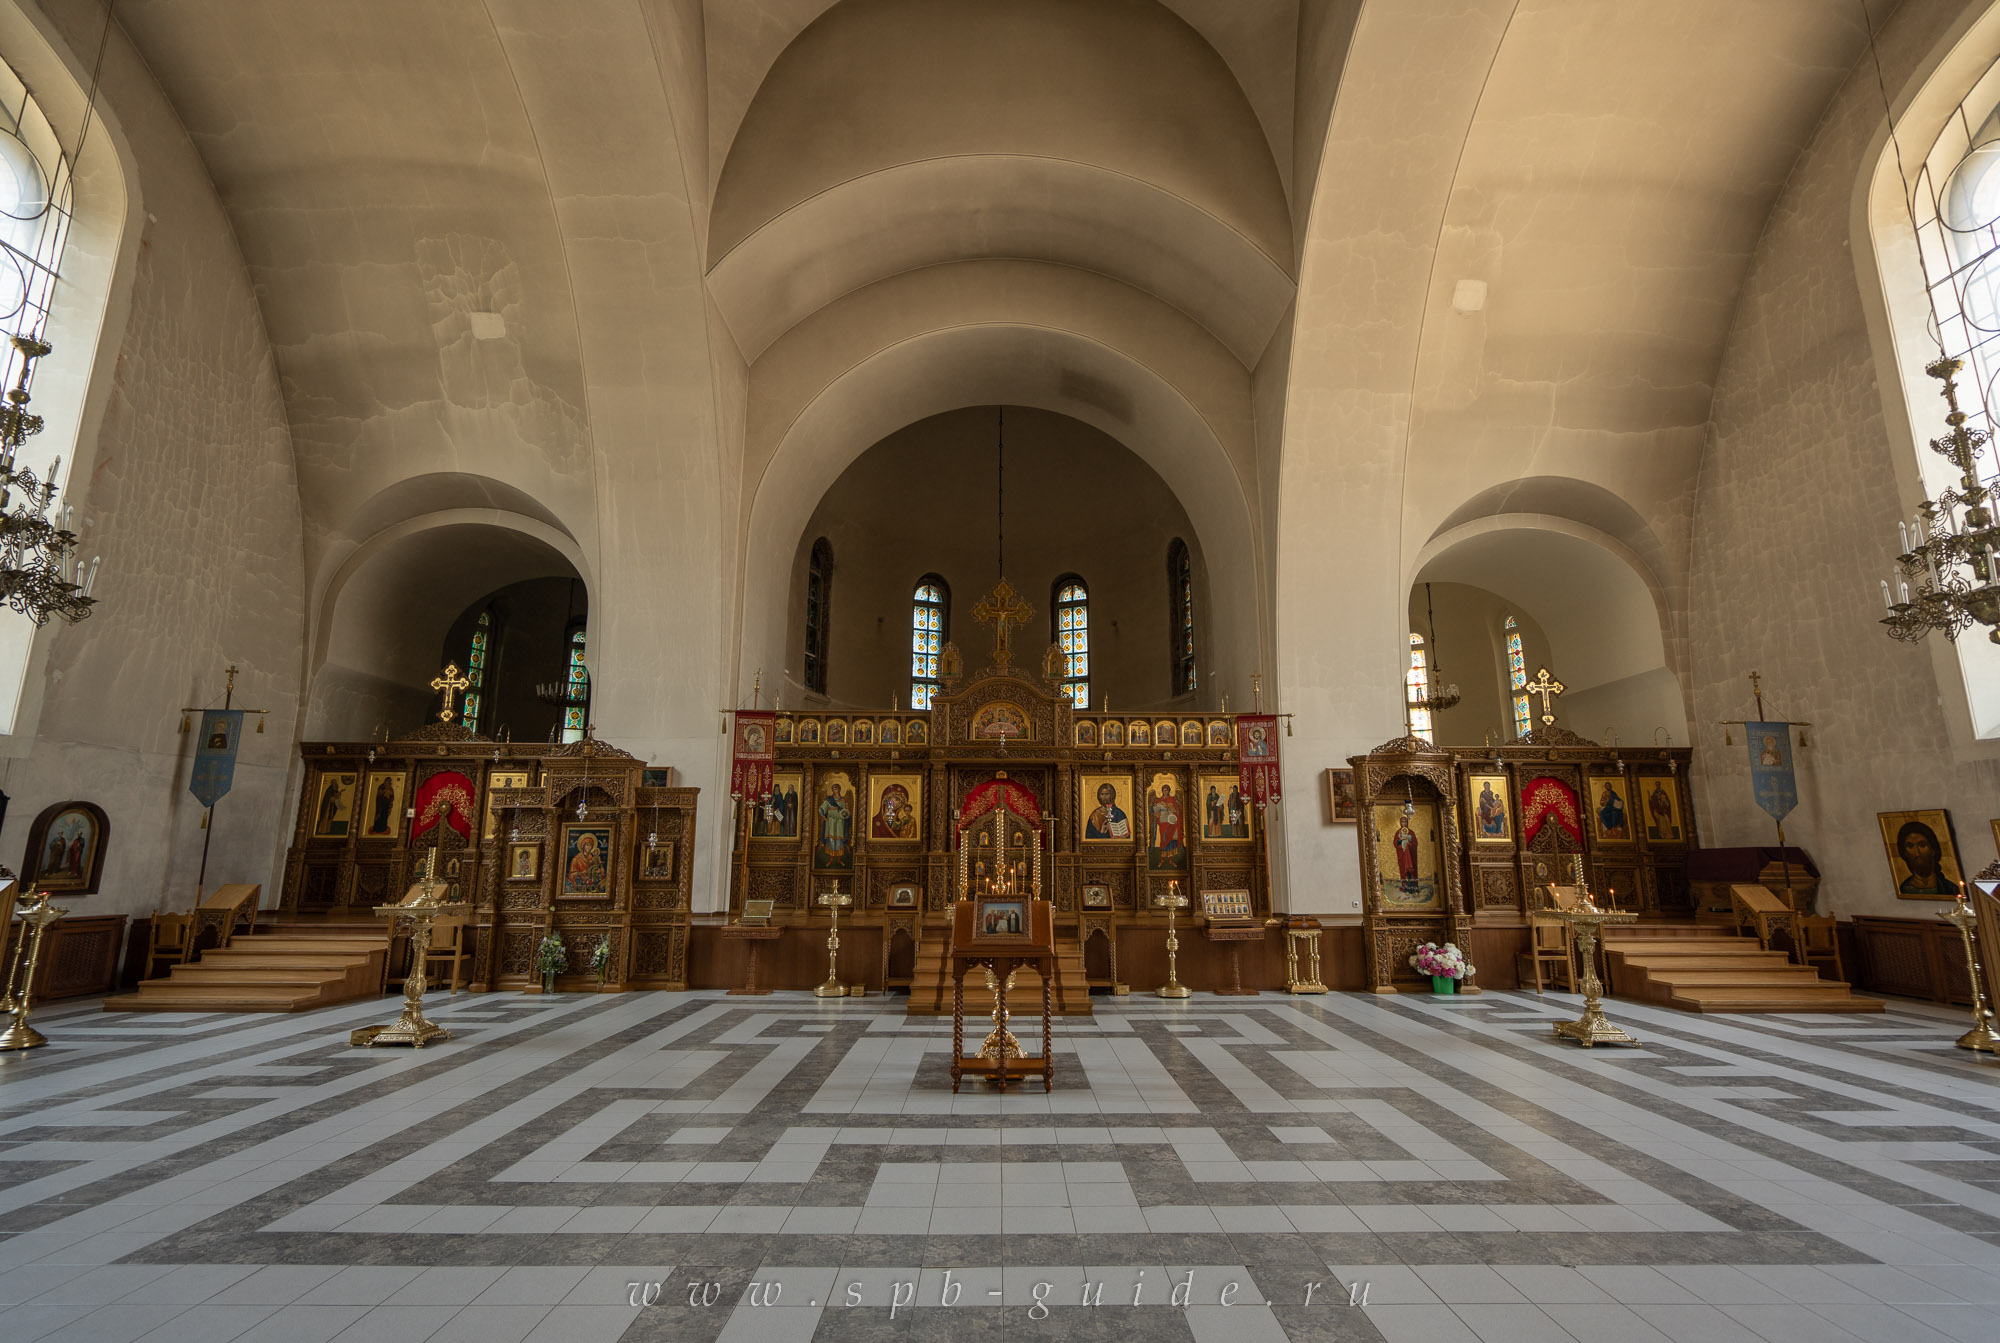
[
  {"x": 1771, "y": 778},
  {"x": 215, "y": 754}
]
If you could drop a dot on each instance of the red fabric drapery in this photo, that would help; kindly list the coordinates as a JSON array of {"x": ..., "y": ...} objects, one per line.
[
  {"x": 1000, "y": 792},
  {"x": 756, "y": 748},
  {"x": 1257, "y": 769},
  {"x": 449, "y": 787},
  {"x": 1546, "y": 799}
]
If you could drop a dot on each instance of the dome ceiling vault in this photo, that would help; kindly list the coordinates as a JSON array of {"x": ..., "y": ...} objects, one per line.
[{"x": 656, "y": 196}]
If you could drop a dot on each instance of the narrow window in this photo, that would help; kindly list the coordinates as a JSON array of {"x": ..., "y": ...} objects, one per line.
[
  {"x": 1417, "y": 685},
  {"x": 578, "y": 681},
  {"x": 819, "y": 592},
  {"x": 1517, "y": 678},
  {"x": 1069, "y": 614},
  {"x": 930, "y": 626},
  {"x": 475, "y": 670},
  {"x": 1180, "y": 615}
]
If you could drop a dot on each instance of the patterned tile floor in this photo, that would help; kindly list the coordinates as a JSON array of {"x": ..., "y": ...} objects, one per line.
[{"x": 701, "y": 1169}]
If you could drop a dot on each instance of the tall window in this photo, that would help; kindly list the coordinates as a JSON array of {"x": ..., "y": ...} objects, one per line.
[
  {"x": 930, "y": 627},
  {"x": 1069, "y": 617},
  {"x": 577, "y": 714},
  {"x": 475, "y": 670},
  {"x": 1180, "y": 615},
  {"x": 1416, "y": 685},
  {"x": 1517, "y": 677},
  {"x": 819, "y": 592},
  {"x": 34, "y": 215}
]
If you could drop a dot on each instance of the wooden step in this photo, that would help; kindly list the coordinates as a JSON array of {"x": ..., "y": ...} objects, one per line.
[
  {"x": 1714, "y": 972},
  {"x": 160, "y": 997},
  {"x": 267, "y": 972}
]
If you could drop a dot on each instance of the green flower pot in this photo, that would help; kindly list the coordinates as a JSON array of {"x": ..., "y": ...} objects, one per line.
[{"x": 1443, "y": 984}]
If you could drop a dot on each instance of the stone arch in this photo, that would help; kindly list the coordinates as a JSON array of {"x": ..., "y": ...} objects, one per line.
[
  {"x": 1605, "y": 614},
  {"x": 385, "y": 609}
]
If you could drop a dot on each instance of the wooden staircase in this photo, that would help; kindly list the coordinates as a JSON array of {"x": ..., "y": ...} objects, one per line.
[
  {"x": 1701, "y": 968},
  {"x": 282, "y": 967},
  {"x": 930, "y": 987}
]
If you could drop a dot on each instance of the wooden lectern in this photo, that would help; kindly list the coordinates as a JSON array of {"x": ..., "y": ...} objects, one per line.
[{"x": 1002, "y": 935}]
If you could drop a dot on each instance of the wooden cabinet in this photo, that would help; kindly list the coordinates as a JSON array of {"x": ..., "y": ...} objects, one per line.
[
  {"x": 79, "y": 955},
  {"x": 1911, "y": 958}
]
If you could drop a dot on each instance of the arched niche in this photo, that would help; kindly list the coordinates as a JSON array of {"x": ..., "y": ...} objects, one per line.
[
  {"x": 388, "y": 608},
  {"x": 1066, "y": 372},
  {"x": 1600, "y": 614},
  {"x": 921, "y": 503}
]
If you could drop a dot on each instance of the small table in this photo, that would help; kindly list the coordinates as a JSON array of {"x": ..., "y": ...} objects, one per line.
[
  {"x": 753, "y": 936},
  {"x": 1591, "y": 1028},
  {"x": 1000, "y": 1059},
  {"x": 1234, "y": 935}
]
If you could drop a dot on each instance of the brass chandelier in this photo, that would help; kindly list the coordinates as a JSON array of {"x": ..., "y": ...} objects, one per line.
[{"x": 41, "y": 574}]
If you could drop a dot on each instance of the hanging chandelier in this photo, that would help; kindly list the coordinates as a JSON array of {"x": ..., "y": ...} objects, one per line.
[
  {"x": 41, "y": 573},
  {"x": 1437, "y": 696},
  {"x": 1948, "y": 547}
]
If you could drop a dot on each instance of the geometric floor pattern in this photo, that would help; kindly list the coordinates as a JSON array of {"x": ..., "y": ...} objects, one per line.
[{"x": 702, "y": 1169}]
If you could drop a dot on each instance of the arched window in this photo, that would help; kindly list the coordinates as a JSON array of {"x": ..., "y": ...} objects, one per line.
[
  {"x": 1069, "y": 626},
  {"x": 930, "y": 628},
  {"x": 578, "y": 684},
  {"x": 1417, "y": 685},
  {"x": 1180, "y": 615},
  {"x": 1517, "y": 677},
  {"x": 819, "y": 594},
  {"x": 476, "y": 656},
  {"x": 34, "y": 215}
]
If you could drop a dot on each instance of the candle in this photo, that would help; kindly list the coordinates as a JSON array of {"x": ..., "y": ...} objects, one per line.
[
  {"x": 1906, "y": 594},
  {"x": 1887, "y": 603},
  {"x": 1903, "y": 536}
]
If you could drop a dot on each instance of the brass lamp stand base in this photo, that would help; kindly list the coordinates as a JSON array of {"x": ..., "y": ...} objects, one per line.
[
  {"x": 21, "y": 1035},
  {"x": 1592, "y": 1029},
  {"x": 1981, "y": 1036},
  {"x": 416, "y": 1031},
  {"x": 411, "y": 1027}
]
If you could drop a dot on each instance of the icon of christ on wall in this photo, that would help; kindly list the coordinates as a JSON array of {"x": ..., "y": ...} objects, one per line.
[{"x": 835, "y": 852}]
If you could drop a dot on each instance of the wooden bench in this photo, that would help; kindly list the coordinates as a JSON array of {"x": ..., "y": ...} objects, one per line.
[{"x": 1763, "y": 913}]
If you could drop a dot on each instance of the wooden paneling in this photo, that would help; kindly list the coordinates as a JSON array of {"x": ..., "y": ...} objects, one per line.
[
  {"x": 1911, "y": 958},
  {"x": 79, "y": 955},
  {"x": 795, "y": 961}
]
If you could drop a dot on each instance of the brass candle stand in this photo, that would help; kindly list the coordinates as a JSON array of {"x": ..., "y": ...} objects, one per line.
[
  {"x": 1591, "y": 1028},
  {"x": 420, "y": 907},
  {"x": 1172, "y": 901},
  {"x": 1304, "y": 937},
  {"x": 35, "y": 921},
  {"x": 1000, "y": 1044},
  {"x": 833, "y": 988},
  {"x": 1982, "y": 1035}
]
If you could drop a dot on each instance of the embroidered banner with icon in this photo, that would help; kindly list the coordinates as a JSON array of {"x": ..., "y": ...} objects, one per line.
[
  {"x": 448, "y": 795},
  {"x": 1257, "y": 769},
  {"x": 1771, "y": 779},
  {"x": 215, "y": 754},
  {"x": 1544, "y": 800},
  {"x": 756, "y": 748}
]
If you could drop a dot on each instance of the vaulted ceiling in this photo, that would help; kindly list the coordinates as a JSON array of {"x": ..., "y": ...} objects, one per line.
[{"x": 766, "y": 174}]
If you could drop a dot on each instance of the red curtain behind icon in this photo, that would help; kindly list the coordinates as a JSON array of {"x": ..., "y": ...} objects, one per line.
[
  {"x": 1547, "y": 799},
  {"x": 439, "y": 789}
]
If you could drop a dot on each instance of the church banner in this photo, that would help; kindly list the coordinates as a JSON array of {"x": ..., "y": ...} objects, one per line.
[
  {"x": 756, "y": 748},
  {"x": 1771, "y": 780},
  {"x": 1257, "y": 758},
  {"x": 215, "y": 754},
  {"x": 448, "y": 795}
]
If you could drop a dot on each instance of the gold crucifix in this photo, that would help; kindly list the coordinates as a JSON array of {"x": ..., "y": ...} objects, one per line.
[
  {"x": 1546, "y": 686},
  {"x": 451, "y": 683},
  {"x": 1002, "y": 607}
]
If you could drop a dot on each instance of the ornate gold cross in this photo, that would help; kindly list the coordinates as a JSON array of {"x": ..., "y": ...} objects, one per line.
[
  {"x": 1545, "y": 685},
  {"x": 451, "y": 683},
  {"x": 1001, "y": 607}
]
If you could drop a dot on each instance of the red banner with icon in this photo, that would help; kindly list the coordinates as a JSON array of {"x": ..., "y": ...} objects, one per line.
[
  {"x": 1546, "y": 799},
  {"x": 1257, "y": 769},
  {"x": 756, "y": 748}
]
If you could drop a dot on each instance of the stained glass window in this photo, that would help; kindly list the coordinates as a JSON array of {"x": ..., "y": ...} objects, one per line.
[
  {"x": 1417, "y": 684},
  {"x": 1517, "y": 677},
  {"x": 576, "y": 714},
  {"x": 1180, "y": 614},
  {"x": 819, "y": 590},
  {"x": 475, "y": 670},
  {"x": 930, "y": 627},
  {"x": 1069, "y": 607},
  {"x": 34, "y": 216}
]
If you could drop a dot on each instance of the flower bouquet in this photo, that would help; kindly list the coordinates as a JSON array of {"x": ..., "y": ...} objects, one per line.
[
  {"x": 551, "y": 959},
  {"x": 600, "y": 958},
  {"x": 1446, "y": 965}
]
